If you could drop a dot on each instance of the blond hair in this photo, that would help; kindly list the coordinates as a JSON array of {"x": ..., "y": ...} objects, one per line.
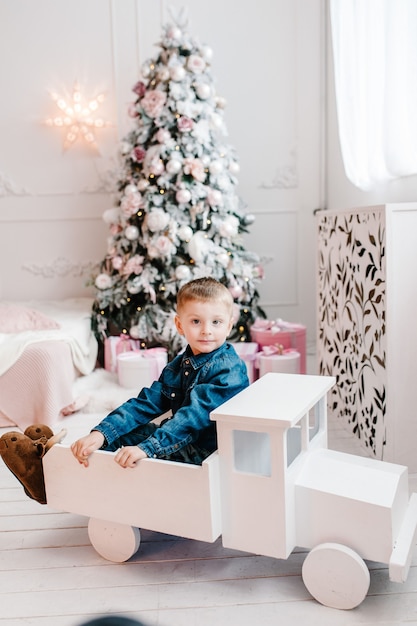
[{"x": 204, "y": 289}]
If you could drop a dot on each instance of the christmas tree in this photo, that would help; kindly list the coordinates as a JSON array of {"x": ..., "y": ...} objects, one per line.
[{"x": 177, "y": 215}]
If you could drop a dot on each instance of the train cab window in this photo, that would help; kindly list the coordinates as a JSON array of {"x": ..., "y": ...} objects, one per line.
[
  {"x": 252, "y": 452},
  {"x": 315, "y": 420}
]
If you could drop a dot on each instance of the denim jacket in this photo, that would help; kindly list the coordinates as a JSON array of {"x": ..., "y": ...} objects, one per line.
[{"x": 191, "y": 387}]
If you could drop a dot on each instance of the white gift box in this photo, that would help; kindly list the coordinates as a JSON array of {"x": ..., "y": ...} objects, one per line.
[{"x": 136, "y": 370}]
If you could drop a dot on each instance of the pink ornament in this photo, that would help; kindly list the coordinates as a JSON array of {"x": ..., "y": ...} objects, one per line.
[
  {"x": 236, "y": 291},
  {"x": 163, "y": 135},
  {"x": 117, "y": 262},
  {"x": 143, "y": 184},
  {"x": 185, "y": 124},
  {"x": 196, "y": 64}
]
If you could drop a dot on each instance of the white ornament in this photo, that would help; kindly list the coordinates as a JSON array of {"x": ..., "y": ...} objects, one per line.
[
  {"x": 173, "y": 166},
  {"x": 229, "y": 227},
  {"x": 185, "y": 233},
  {"x": 214, "y": 197},
  {"x": 182, "y": 272},
  {"x": 133, "y": 286},
  {"x": 157, "y": 220},
  {"x": 223, "y": 182},
  {"x": 134, "y": 332},
  {"x": 249, "y": 219},
  {"x": 223, "y": 259},
  {"x": 103, "y": 281},
  {"x": 177, "y": 73},
  {"x": 163, "y": 74},
  {"x": 221, "y": 102},
  {"x": 199, "y": 246},
  {"x": 174, "y": 33},
  {"x": 215, "y": 167},
  {"x": 203, "y": 91},
  {"x": 216, "y": 120},
  {"x": 206, "y": 53},
  {"x": 130, "y": 189},
  {"x": 234, "y": 167},
  {"x": 125, "y": 147},
  {"x": 131, "y": 233}
]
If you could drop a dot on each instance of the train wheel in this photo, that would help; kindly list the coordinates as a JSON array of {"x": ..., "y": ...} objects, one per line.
[
  {"x": 336, "y": 576},
  {"x": 113, "y": 541}
]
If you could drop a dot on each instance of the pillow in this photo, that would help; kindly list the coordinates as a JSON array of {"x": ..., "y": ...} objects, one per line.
[{"x": 15, "y": 319}]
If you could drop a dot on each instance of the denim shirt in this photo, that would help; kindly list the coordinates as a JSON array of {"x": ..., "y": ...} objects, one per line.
[{"x": 191, "y": 387}]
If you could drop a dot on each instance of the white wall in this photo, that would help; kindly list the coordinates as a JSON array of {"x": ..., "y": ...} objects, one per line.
[{"x": 268, "y": 65}]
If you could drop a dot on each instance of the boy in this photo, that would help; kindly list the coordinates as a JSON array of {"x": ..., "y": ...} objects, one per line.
[{"x": 193, "y": 384}]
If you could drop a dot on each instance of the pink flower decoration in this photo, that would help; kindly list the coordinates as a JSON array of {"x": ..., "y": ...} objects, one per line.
[
  {"x": 196, "y": 64},
  {"x": 133, "y": 265},
  {"x": 138, "y": 154},
  {"x": 153, "y": 102},
  {"x": 195, "y": 167},
  {"x": 139, "y": 89},
  {"x": 185, "y": 124}
]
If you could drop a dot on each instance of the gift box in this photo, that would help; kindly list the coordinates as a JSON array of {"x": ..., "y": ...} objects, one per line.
[
  {"x": 279, "y": 360},
  {"x": 280, "y": 333},
  {"x": 247, "y": 352},
  {"x": 113, "y": 346},
  {"x": 139, "y": 369}
]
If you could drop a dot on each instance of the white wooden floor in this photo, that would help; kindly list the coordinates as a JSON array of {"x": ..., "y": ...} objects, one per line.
[{"x": 51, "y": 576}]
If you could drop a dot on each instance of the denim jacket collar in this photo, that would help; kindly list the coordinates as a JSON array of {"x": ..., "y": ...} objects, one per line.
[{"x": 197, "y": 361}]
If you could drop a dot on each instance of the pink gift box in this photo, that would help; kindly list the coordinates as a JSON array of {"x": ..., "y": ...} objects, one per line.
[
  {"x": 281, "y": 333},
  {"x": 284, "y": 361},
  {"x": 247, "y": 352},
  {"x": 113, "y": 346}
]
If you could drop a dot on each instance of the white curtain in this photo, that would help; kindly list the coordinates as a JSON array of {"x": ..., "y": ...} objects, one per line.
[{"x": 375, "y": 67}]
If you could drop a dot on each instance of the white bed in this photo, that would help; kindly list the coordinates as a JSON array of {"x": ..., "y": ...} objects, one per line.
[{"x": 47, "y": 344}]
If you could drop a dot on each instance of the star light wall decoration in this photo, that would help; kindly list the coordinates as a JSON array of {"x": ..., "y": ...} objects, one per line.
[{"x": 78, "y": 117}]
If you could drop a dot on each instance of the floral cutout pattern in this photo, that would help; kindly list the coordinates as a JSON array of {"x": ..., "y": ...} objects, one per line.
[{"x": 351, "y": 320}]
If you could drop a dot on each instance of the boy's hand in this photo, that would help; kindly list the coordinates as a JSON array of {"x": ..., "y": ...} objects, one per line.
[
  {"x": 128, "y": 456},
  {"x": 82, "y": 448}
]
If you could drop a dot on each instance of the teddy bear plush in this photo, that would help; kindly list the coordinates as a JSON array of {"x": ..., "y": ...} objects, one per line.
[{"x": 23, "y": 452}]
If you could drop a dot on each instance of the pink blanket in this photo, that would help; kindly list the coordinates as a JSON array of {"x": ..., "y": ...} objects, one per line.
[{"x": 38, "y": 386}]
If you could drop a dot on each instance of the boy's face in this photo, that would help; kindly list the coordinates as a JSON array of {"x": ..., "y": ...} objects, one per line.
[{"x": 205, "y": 325}]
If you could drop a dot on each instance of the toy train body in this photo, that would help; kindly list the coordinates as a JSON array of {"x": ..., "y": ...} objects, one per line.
[{"x": 272, "y": 486}]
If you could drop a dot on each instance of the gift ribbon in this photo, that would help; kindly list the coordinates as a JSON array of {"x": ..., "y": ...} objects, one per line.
[{"x": 275, "y": 326}]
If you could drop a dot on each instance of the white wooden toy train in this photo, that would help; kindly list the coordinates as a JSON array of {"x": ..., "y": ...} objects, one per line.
[{"x": 271, "y": 486}]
